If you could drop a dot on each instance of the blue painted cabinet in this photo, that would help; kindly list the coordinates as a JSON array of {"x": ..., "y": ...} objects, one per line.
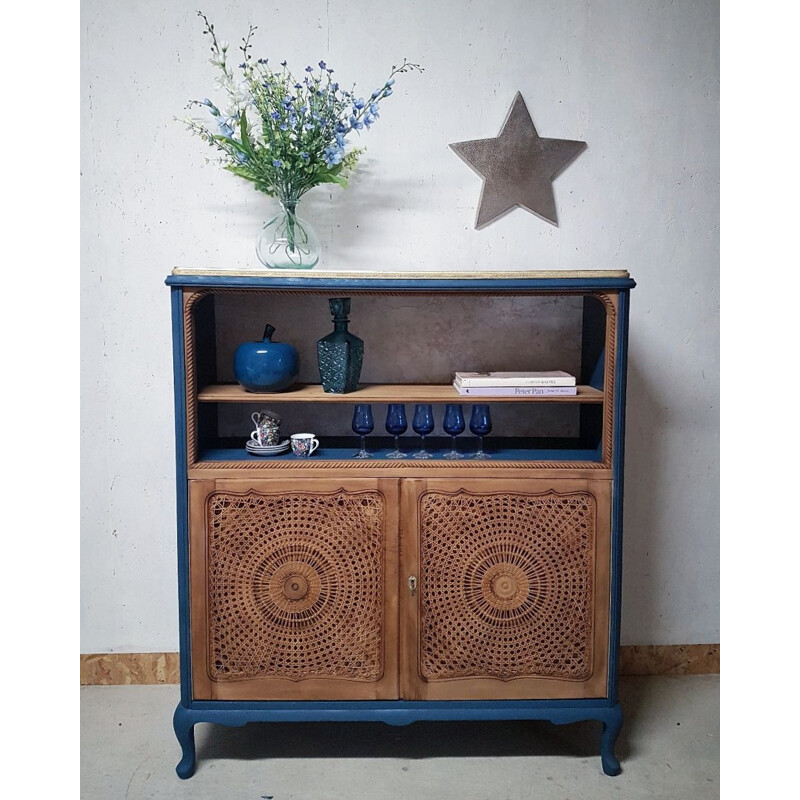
[{"x": 333, "y": 588}]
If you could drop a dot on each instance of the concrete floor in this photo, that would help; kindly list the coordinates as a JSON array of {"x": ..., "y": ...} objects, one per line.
[{"x": 669, "y": 749}]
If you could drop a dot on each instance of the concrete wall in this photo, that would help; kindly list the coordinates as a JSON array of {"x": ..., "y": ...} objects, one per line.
[{"x": 636, "y": 79}]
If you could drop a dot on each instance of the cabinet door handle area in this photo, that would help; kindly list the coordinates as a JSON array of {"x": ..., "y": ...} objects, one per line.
[{"x": 412, "y": 584}]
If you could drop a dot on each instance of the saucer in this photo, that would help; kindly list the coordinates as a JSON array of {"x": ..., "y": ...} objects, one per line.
[{"x": 268, "y": 449}]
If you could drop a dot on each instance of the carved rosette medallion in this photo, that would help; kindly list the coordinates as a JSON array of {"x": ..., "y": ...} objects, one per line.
[
  {"x": 296, "y": 585},
  {"x": 507, "y": 585}
]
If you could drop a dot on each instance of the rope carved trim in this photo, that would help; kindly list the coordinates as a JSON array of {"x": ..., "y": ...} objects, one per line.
[
  {"x": 437, "y": 466},
  {"x": 296, "y": 585},
  {"x": 611, "y": 350},
  {"x": 506, "y": 585},
  {"x": 190, "y": 300}
]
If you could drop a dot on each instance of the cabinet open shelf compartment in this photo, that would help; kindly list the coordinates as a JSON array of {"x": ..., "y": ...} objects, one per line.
[{"x": 452, "y": 332}]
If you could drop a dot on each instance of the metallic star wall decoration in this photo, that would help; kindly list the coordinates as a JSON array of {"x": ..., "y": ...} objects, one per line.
[{"x": 518, "y": 167}]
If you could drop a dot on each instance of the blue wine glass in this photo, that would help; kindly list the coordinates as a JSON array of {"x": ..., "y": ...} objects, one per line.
[
  {"x": 423, "y": 425},
  {"x": 362, "y": 425},
  {"x": 396, "y": 424},
  {"x": 454, "y": 425},
  {"x": 480, "y": 424}
]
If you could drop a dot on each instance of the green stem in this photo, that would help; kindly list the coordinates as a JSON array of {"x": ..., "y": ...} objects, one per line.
[{"x": 291, "y": 220}]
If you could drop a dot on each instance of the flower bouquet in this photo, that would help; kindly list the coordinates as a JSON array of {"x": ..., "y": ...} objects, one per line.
[{"x": 285, "y": 135}]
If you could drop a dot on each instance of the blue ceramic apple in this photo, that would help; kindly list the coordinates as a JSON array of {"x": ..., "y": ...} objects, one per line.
[{"x": 266, "y": 366}]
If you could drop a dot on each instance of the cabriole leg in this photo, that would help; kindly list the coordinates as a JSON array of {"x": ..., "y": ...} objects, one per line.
[
  {"x": 612, "y": 725},
  {"x": 184, "y": 731}
]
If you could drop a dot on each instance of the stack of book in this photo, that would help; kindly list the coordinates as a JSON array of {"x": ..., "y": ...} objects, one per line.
[{"x": 517, "y": 384}]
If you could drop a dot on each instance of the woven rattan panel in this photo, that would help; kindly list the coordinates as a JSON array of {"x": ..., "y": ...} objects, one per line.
[
  {"x": 506, "y": 585},
  {"x": 296, "y": 585}
]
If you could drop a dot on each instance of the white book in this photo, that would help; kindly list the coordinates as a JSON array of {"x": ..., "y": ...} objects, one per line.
[
  {"x": 517, "y": 391},
  {"x": 555, "y": 378}
]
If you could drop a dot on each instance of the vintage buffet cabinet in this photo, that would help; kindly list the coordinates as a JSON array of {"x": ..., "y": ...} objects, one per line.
[{"x": 337, "y": 589}]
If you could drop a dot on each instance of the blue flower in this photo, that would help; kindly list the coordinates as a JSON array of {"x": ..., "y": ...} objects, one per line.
[
  {"x": 340, "y": 140},
  {"x": 309, "y": 69},
  {"x": 368, "y": 120},
  {"x": 305, "y": 156},
  {"x": 283, "y": 126},
  {"x": 322, "y": 65},
  {"x": 355, "y": 124},
  {"x": 240, "y": 157},
  {"x": 332, "y": 156},
  {"x": 283, "y": 63},
  {"x": 263, "y": 60},
  {"x": 274, "y": 115},
  {"x": 225, "y": 129},
  {"x": 212, "y": 107},
  {"x": 359, "y": 104},
  {"x": 277, "y": 163},
  {"x": 373, "y": 109}
]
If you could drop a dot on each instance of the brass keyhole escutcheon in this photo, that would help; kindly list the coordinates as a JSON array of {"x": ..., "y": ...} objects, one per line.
[{"x": 295, "y": 587}]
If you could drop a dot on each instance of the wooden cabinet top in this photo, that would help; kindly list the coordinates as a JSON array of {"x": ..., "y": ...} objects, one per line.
[{"x": 400, "y": 280}]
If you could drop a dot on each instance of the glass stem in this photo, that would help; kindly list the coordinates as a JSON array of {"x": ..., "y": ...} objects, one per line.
[
  {"x": 454, "y": 443},
  {"x": 480, "y": 444},
  {"x": 363, "y": 449},
  {"x": 291, "y": 218},
  {"x": 397, "y": 444},
  {"x": 422, "y": 446}
]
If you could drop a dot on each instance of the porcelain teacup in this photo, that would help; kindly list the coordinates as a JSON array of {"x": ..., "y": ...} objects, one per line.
[
  {"x": 267, "y": 430},
  {"x": 304, "y": 444}
]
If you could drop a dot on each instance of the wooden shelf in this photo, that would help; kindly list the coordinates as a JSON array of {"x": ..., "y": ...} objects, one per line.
[{"x": 380, "y": 393}]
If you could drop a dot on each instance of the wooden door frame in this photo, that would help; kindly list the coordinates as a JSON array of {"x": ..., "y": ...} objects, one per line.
[
  {"x": 204, "y": 687},
  {"x": 412, "y": 685}
]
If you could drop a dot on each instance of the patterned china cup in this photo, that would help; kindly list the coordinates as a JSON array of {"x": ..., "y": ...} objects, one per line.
[
  {"x": 267, "y": 430},
  {"x": 263, "y": 440},
  {"x": 304, "y": 444}
]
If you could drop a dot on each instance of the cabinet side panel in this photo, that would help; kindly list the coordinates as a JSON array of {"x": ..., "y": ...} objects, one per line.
[
  {"x": 619, "y": 477},
  {"x": 182, "y": 500}
]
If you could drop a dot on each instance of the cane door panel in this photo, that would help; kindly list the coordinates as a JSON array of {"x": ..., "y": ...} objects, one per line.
[
  {"x": 510, "y": 587},
  {"x": 293, "y": 589}
]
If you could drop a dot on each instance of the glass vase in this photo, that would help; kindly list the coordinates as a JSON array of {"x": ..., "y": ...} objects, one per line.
[{"x": 288, "y": 241}]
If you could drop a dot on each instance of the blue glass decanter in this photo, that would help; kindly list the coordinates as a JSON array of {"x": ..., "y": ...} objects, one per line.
[{"x": 340, "y": 354}]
